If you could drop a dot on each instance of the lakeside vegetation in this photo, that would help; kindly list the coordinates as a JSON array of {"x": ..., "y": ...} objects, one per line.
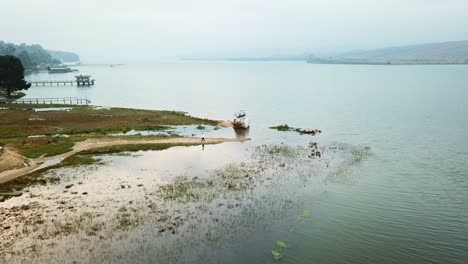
[
  {"x": 50, "y": 133},
  {"x": 35, "y": 55},
  {"x": 12, "y": 75},
  {"x": 30, "y": 55},
  {"x": 13, "y": 96}
]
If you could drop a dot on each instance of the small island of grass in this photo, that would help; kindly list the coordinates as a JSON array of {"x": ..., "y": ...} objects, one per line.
[{"x": 301, "y": 131}]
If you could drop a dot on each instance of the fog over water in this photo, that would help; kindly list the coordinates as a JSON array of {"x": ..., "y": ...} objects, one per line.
[
  {"x": 391, "y": 182},
  {"x": 391, "y": 187},
  {"x": 123, "y": 31}
]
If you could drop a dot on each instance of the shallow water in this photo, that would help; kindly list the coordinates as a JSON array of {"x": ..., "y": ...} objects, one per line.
[
  {"x": 189, "y": 131},
  {"x": 405, "y": 203}
]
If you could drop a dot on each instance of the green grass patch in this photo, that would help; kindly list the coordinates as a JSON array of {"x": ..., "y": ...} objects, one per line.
[
  {"x": 21, "y": 121},
  {"x": 301, "y": 131},
  {"x": 133, "y": 148},
  {"x": 18, "y": 95},
  {"x": 49, "y": 149},
  {"x": 282, "y": 127},
  {"x": 80, "y": 160}
]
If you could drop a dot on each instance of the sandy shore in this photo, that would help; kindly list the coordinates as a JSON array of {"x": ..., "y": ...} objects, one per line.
[{"x": 12, "y": 161}]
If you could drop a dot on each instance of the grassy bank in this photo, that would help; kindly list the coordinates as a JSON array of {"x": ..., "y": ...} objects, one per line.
[
  {"x": 17, "y": 95},
  {"x": 23, "y": 121},
  {"x": 19, "y": 122}
]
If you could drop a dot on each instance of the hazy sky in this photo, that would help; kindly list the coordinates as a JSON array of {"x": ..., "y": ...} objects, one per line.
[{"x": 153, "y": 29}]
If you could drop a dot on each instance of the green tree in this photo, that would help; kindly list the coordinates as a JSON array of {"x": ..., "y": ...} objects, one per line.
[
  {"x": 25, "y": 60},
  {"x": 12, "y": 75},
  {"x": 7, "y": 49}
]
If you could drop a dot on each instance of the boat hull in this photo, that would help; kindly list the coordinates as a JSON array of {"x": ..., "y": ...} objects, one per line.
[{"x": 244, "y": 124}]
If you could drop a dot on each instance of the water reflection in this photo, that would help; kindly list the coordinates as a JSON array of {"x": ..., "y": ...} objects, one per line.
[{"x": 242, "y": 133}]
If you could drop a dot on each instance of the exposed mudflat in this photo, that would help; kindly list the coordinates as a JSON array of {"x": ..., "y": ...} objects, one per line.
[
  {"x": 138, "y": 207},
  {"x": 13, "y": 165}
]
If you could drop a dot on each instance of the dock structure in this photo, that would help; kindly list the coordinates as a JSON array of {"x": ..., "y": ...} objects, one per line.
[
  {"x": 51, "y": 83},
  {"x": 55, "y": 100},
  {"x": 81, "y": 80},
  {"x": 84, "y": 80}
]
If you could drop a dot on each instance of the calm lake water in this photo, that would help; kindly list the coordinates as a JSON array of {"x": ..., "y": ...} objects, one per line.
[{"x": 406, "y": 203}]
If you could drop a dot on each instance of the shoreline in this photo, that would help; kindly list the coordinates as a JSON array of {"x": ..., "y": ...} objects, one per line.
[{"x": 90, "y": 144}]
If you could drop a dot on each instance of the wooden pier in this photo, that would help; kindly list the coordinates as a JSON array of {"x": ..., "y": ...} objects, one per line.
[
  {"x": 51, "y": 83},
  {"x": 56, "y": 100},
  {"x": 81, "y": 80}
]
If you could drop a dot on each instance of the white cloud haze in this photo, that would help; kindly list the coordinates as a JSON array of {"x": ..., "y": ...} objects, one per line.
[{"x": 152, "y": 29}]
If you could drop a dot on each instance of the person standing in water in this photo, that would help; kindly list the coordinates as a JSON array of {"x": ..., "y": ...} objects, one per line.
[{"x": 203, "y": 137}]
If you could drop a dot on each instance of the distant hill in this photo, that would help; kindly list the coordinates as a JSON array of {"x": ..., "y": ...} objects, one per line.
[
  {"x": 272, "y": 58},
  {"x": 35, "y": 55},
  {"x": 64, "y": 56},
  {"x": 301, "y": 57},
  {"x": 454, "y": 52}
]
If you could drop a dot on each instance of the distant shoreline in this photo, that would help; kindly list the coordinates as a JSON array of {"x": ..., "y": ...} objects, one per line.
[
  {"x": 415, "y": 63},
  {"x": 388, "y": 64}
]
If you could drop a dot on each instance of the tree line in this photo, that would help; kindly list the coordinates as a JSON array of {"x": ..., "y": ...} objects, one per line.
[{"x": 31, "y": 56}]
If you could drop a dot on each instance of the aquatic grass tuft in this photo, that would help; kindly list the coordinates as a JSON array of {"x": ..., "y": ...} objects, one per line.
[
  {"x": 276, "y": 254},
  {"x": 268, "y": 152},
  {"x": 305, "y": 214},
  {"x": 301, "y": 131},
  {"x": 281, "y": 244},
  {"x": 284, "y": 127},
  {"x": 183, "y": 190},
  {"x": 353, "y": 155}
]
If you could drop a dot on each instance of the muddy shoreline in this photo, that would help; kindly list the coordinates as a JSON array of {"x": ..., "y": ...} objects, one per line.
[
  {"x": 90, "y": 144},
  {"x": 91, "y": 213}
]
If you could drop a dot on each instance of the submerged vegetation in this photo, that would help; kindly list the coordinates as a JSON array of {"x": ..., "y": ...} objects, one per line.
[
  {"x": 354, "y": 155},
  {"x": 278, "y": 252},
  {"x": 190, "y": 211}
]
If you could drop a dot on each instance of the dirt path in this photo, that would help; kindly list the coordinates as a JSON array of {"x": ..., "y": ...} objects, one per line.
[{"x": 12, "y": 161}]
